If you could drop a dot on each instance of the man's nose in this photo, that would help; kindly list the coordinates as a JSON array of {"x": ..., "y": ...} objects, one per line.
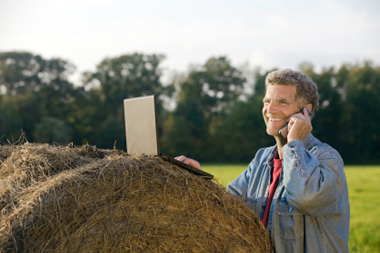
[{"x": 271, "y": 108}]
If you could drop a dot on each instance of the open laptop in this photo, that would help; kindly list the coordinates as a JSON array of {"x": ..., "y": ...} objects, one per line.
[{"x": 141, "y": 131}]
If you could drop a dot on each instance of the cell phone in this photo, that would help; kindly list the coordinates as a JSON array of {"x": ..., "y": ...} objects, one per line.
[{"x": 286, "y": 125}]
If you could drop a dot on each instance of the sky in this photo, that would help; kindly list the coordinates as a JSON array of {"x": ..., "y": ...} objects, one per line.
[{"x": 266, "y": 33}]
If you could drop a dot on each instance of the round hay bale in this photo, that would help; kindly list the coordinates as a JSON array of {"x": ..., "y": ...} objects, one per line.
[{"x": 81, "y": 199}]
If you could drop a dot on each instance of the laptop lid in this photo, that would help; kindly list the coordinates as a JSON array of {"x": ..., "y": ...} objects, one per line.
[{"x": 141, "y": 125}]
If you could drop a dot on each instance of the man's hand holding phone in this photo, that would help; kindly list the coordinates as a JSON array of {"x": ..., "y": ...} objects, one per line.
[{"x": 298, "y": 126}]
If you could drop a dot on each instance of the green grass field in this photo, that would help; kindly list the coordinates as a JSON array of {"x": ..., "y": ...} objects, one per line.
[{"x": 364, "y": 193}]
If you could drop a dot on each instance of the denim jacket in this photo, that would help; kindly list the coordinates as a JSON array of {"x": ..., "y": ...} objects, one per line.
[{"x": 310, "y": 211}]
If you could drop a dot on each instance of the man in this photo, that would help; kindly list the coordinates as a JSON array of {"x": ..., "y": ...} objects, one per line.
[{"x": 297, "y": 187}]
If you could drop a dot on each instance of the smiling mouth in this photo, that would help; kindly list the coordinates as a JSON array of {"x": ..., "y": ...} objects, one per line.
[{"x": 272, "y": 119}]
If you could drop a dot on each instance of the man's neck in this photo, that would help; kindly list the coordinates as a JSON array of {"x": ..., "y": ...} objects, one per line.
[{"x": 280, "y": 143}]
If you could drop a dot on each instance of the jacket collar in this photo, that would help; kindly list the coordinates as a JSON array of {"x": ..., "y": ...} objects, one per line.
[{"x": 273, "y": 151}]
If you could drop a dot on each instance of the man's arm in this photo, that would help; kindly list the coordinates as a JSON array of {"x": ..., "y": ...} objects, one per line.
[{"x": 314, "y": 181}]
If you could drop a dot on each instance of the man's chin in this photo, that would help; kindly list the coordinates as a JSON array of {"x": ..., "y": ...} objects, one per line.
[{"x": 272, "y": 132}]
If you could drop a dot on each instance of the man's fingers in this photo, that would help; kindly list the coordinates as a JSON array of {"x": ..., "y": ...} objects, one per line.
[
  {"x": 193, "y": 163},
  {"x": 181, "y": 158},
  {"x": 299, "y": 126},
  {"x": 188, "y": 161}
]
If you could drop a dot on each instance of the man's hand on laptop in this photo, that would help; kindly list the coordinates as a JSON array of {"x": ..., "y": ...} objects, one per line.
[{"x": 188, "y": 161}]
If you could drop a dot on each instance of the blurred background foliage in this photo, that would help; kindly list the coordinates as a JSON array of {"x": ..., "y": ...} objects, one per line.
[{"x": 211, "y": 113}]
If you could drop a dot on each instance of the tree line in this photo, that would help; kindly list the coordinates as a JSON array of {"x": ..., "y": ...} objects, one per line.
[{"x": 211, "y": 113}]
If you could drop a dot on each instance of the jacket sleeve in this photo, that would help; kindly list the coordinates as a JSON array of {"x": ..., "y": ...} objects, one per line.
[{"x": 313, "y": 178}]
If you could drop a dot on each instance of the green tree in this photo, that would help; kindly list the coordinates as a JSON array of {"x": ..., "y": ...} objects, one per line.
[
  {"x": 241, "y": 132},
  {"x": 127, "y": 76},
  {"x": 213, "y": 86},
  {"x": 18, "y": 113},
  {"x": 52, "y": 130},
  {"x": 349, "y": 99},
  {"x": 86, "y": 115},
  {"x": 22, "y": 72},
  {"x": 362, "y": 106},
  {"x": 327, "y": 121},
  {"x": 110, "y": 132},
  {"x": 35, "y": 87},
  {"x": 201, "y": 97}
]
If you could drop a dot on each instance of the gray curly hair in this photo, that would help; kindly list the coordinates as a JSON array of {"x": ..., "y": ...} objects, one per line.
[{"x": 307, "y": 90}]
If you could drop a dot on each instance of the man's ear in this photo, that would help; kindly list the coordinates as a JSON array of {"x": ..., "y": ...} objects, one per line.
[{"x": 309, "y": 107}]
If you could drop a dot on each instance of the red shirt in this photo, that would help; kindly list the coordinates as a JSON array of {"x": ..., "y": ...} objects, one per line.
[{"x": 275, "y": 175}]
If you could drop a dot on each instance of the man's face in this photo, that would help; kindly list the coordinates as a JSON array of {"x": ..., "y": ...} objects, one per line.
[{"x": 279, "y": 104}]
